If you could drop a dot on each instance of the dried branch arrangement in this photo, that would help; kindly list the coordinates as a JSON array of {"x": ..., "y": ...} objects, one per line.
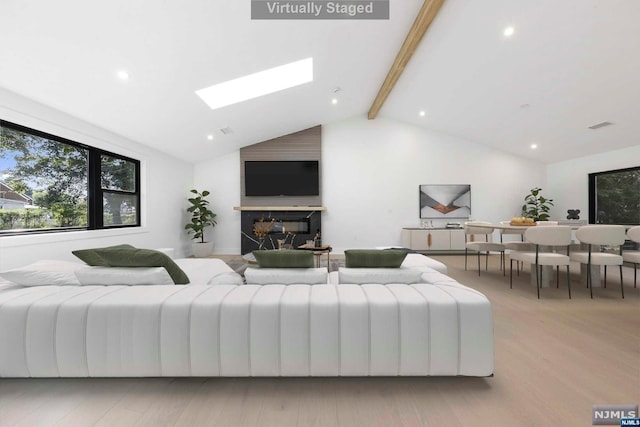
[{"x": 261, "y": 228}]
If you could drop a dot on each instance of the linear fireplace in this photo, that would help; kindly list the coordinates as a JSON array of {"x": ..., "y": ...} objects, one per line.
[{"x": 293, "y": 227}]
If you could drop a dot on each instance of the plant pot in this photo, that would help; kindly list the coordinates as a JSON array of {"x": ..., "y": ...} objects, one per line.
[{"x": 202, "y": 250}]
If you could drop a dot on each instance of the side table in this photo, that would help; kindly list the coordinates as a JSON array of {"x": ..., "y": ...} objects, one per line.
[{"x": 318, "y": 251}]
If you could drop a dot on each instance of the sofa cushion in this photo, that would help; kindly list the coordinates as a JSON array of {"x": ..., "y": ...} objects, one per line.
[
  {"x": 123, "y": 256},
  {"x": 284, "y": 259},
  {"x": 226, "y": 278},
  {"x": 423, "y": 263},
  {"x": 91, "y": 256},
  {"x": 44, "y": 273},
  {"x": 127, "y": 276},
  {"x": 286, "y": 276},
  {"x": 382, "y": 276},
  {"x": 202, "y": 270},
  {"x": 373, "y": 258}
]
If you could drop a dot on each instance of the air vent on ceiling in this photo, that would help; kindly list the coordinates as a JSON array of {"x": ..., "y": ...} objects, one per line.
[
  {"x": 600, "y": 125},
  {"x": 226, "y": 130}
]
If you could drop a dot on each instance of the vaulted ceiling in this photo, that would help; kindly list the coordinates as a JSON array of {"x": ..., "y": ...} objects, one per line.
[{"x": 568, "y": 65}]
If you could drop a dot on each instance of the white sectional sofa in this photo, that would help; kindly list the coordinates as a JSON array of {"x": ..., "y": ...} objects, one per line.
[{"x": 437, "y": 327}]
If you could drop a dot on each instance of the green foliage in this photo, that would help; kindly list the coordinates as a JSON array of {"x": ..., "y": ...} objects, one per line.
[
  {"x": 9, "y": 218},
  {"x": 618, "y": 198},
  {"x": 536, "y": 206},
  {"x": 52, "y": 173},
  {"x": 201, "y": 215},
  {"x": 69, "y": 214}
]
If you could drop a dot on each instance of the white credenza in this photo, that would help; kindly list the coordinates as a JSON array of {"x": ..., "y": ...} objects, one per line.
[{"x": 433, "y": 239}]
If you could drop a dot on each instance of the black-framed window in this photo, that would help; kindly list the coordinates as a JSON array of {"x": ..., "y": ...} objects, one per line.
[
  {"x": 49, "y": 184},
  {"x": 614, "y": 197}
]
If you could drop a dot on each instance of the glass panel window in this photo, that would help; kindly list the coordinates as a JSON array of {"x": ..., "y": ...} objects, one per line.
[
  {"x": 117, "y": 174},
  {"x": 43, "y": 182},
  {"x": 614, "y": 197},
  {"x": 49, "y": 183},
  {"x": 119, "y": 209}
]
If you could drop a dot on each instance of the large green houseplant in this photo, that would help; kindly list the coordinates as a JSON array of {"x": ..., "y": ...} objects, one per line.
[
  {"x": 536, "y": 206},
  {"x": 201, "y": 218}
]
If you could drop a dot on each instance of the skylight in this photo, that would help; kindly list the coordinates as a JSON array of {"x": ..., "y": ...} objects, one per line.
[{"x": 258, "y": 84}]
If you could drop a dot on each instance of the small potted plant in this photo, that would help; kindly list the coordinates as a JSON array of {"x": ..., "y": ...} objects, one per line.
[
  {"x": 201, "y": 218},
  {"x": 536, "y": 206}
]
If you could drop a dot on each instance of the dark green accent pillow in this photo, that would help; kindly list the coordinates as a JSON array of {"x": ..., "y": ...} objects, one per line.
[
  {"x": 374, "y": 258},
  {"x": 91, "y": 257},
  {"x": 122, "y": 256},
  {"x": 284, "y": 258}
]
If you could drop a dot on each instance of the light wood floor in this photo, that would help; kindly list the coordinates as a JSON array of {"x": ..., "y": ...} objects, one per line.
[{"x": 554, "y": 359}]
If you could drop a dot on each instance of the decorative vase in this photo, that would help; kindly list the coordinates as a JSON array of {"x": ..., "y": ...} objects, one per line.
[
  {"x": 202, "y": 250},
  {"x": 261, "y": 243}
]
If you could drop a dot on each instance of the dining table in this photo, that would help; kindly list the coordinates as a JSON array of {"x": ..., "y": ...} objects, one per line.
[{"x": 547, "y": 271}]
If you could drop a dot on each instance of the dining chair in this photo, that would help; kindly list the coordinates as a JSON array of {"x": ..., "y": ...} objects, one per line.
[
  {"x": 597, "y": 236},
  {"x": 517, "y": 232},
  {"x": 543, "y": 237},
  {"x": 633, "y": 257},
  {"x": 470, "y": 233}
]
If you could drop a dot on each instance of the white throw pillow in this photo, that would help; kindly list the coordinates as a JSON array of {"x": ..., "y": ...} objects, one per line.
[
  {"x": 286, "y": 276},
  {"x": 128, "y": 276},
  {"x": 44, "y": 273},
  {"x": 226, "y": 278},
  {"x": 383, "y": 276}
]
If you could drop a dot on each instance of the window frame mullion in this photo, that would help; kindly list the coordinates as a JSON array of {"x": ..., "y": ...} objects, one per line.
[{"x": 94, "y": 196}]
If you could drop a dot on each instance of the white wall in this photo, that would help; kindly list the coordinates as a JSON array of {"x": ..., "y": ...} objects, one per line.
[
  {"x": 372, "y": 170},
  {"x": 371, "y": 173},
  {"x": 221, "y": 176},
  {"x": 568, "y": 181},
  {"x": 165, "y": 184}
]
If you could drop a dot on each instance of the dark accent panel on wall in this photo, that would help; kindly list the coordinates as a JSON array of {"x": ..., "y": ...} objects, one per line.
[
  {"x": 303, "y": 145},
  {"x": 296, "y": 227}
]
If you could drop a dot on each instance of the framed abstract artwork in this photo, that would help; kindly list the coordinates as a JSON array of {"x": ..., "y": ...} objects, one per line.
[{"x": 445, "y": 201}]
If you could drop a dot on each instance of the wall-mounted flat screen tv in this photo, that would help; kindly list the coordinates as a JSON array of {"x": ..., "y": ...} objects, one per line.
[
  {"x": 445, "y": 201},
  {"x": 281, "y": 178}
]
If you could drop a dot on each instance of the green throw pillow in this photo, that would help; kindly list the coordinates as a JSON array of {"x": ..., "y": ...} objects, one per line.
[
  {"x": 284, "y": 258},
  {"x": 91, "y": 257},
  {"x": 374, "y": 258},
  {"x": 128, "y": 256}
]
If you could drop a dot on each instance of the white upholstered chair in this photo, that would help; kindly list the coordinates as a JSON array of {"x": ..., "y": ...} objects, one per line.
[
  {"x": 470, "y": 235},
  {"x": 557, "y": 236},
  {"x": 633, "y": 257},
  {"x": 517, "y": 232},
  {"x": 596, "y": 236},
  {"x": 515, "y": 245}
]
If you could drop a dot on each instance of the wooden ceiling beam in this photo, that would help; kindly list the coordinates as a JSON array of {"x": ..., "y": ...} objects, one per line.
[{"x": 427, "y": 14}]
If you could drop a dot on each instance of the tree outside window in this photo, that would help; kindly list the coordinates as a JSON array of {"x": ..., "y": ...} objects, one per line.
[{"x": 614, "y": 197}]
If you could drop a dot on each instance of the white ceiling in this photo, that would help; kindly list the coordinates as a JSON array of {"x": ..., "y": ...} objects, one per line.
[{"x": 574, "y": 62}]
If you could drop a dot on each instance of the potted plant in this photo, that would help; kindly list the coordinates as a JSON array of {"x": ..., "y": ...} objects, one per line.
[
  {"x": 201, "y": 218},
  {"x": 536, "y": 206}
]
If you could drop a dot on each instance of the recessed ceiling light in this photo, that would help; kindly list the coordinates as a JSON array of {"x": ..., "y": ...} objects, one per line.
[
  {"x": 123, "y": 75},
  {"x": 334, "y": 101},
  {"x": 508, "y": 32},
  {"x": 210, "y": 137},
  {"x": 534, "y": 146},
  {"x": 422, "y": 113},
  {"x": 258, "y": 84}
]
